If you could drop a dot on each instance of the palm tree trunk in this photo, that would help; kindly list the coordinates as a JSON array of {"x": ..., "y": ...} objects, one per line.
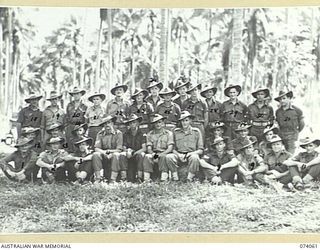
[
  {"x": 97, "y": 76},
  {"x": 163, "y": 67},
  {"x": 236, "y": 56},
  {"x": 2, "y": 85},
  {"x": 83, "y": 56},
  {"x": 8, "y": 41},
  {"x": 110, "y": 61}
]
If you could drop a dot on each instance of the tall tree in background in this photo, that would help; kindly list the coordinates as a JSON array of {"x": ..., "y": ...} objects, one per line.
[{"x": 163, "y": 67}]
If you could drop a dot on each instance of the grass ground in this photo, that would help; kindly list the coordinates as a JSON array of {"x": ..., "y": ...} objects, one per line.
[{"x": 171, "y": 207}]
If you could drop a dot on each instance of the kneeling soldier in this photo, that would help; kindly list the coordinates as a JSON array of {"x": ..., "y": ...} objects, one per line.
[
  {"x": 33, "y": 134},
  {"x": 188, "y": 147},
  {"x": 305, "y": 166},
  {"x": 52, "y": 161},
  {"x": 108, "y": 147},
  {"x": 159, "y": 144},
  {"x": 219, "y": 165},
  {"x": 79, "y": 164},
  {"x": 24, "y": 162}
]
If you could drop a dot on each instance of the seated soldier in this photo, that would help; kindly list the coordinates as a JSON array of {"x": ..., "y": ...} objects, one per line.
[
  {"x": 109, "y": 144},
  {"x": 268, "y": 132},
  {"x": 305, "y": 166},
  {"x": 274, "y": 160},
  {"x": 134, "y": 146},
  {"x": 33, "y": 134},
  {"x": 77, "y": 133},
  {"x": 24, "y": 160},
  {"x": 52, "y": 161},
  {"x": 188, "y": 147},
  {"x": 251, "y": 165},
  {"x": 159, "y": 144},
  {"x": 79, "y": 163},
  {"x": 219, "y": 165}
]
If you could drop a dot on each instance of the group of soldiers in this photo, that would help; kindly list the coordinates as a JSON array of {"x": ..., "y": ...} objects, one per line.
[{"x": 164, "y": 134}]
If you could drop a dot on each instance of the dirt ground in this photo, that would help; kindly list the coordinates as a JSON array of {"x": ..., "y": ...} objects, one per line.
[{"x": 156, "y": 207}]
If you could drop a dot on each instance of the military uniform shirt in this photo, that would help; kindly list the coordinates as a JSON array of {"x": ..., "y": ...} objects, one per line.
[
  {"x": 289, "y": 119},
  {"x": 263, "y": 114},
  {"x": 274, "y": 162},
  {"x": 144, "y": 111},
  {"x": 50, "y": 117},
  {"x": 159, "y": 141},
  {"x": 21, "y": 162},
  {"x": 94, "y": 116},
  {"x": 188, "y": 141},
  {"x": 117, "y": 109},
  {"x": 149, "y": 99},
  {"x": 215, "y": 159},
  {"x": 250, "y": 163},
  {"x": 112, "y": 139},
  {"x": 237, "y": 112},
  {"x": 171, "y": 113},
  {"x": 198, "y": 108},
  {"x": 214, "y": 109},
  {"x": 29, "y": 117},
  {"x": 133, "y": 141},
  {"x": 305, "y": 157},
  {"x": 75, "y": 115},
  {"x": 53, "y": 158}
]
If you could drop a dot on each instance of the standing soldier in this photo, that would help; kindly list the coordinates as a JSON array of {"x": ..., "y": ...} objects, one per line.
[
  {"x": 290, "y": 120},
  {"x": 31, "y": 115},
  {"x": 154, "y": 89},
  {"x": 52, "y": 114},
  {"x": 141, "y": 108},
  {"x": 118, "y": 106},
  {"x": 76, "y": 110},
  {"x": 24, "y": 160},
  {"x": 159, "y": 144},
  {"x": 168, "y": 109},
  {"x": 188, "y": 148},
  {"x": 182, "y": 88},
  {"x": 260, "y": 113},
  {"x": 94, "y": 115},
  {"x": 214, "y": 107},
  {"x": 109, "y": 144},
  {"x": 134, "y": 146},
  {"x": 197, "y": 108},
  {"x": 233, "y": 111}
]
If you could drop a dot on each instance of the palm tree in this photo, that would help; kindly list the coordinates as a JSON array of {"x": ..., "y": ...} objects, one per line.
[{"x": 164, "y": 40}]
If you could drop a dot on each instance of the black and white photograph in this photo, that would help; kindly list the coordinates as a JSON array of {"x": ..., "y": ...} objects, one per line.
[{"x": 159, "y": 120}]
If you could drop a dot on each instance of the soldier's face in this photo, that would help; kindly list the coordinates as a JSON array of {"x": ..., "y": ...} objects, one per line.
[
  {"x": 277, "y": 146},
  {"x": 218, "y": 132},
  {"x": 96, "y": 100},
  {"x": 159, "y": 124},
  {"x": 220, "y": 146},
  {"x": 154, "y": 90},
  {"x": 185, "y": 122},
  {"x": 55, "y": 132},
  {"x": 80, "y": 131},
  {"x": 269, "y": 135},
  {"x": 77, "y": 96},
  {"x": 83, "y": 146},
  {"x": 31, "y": 135},
  {"x": 233, "y": 93},
  {"x": 108, "y": 125},
  {"x": 24, "y": 149},
  {"x": 194, "y": 92},
  {"x": 167, "y": 98},
  {"x": 208, "y": 94},
  {"x": 261, "y": 95},
  {"x": 310, "y": 147},
  {"x": 34, "y": 102},
  {"x": 119, "y": 92},
  {"x": 182, "y": 90},
  {"x": 140, "y": 97},
  {"x": 284, "y": 101},
  {"x": 243, "y": 133},
  {"x": 249, "y": 150},
  {"x": 55, "y": 146},
  {"x": 54, "y": 102},
  {"x": 133, "y": 124}
]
